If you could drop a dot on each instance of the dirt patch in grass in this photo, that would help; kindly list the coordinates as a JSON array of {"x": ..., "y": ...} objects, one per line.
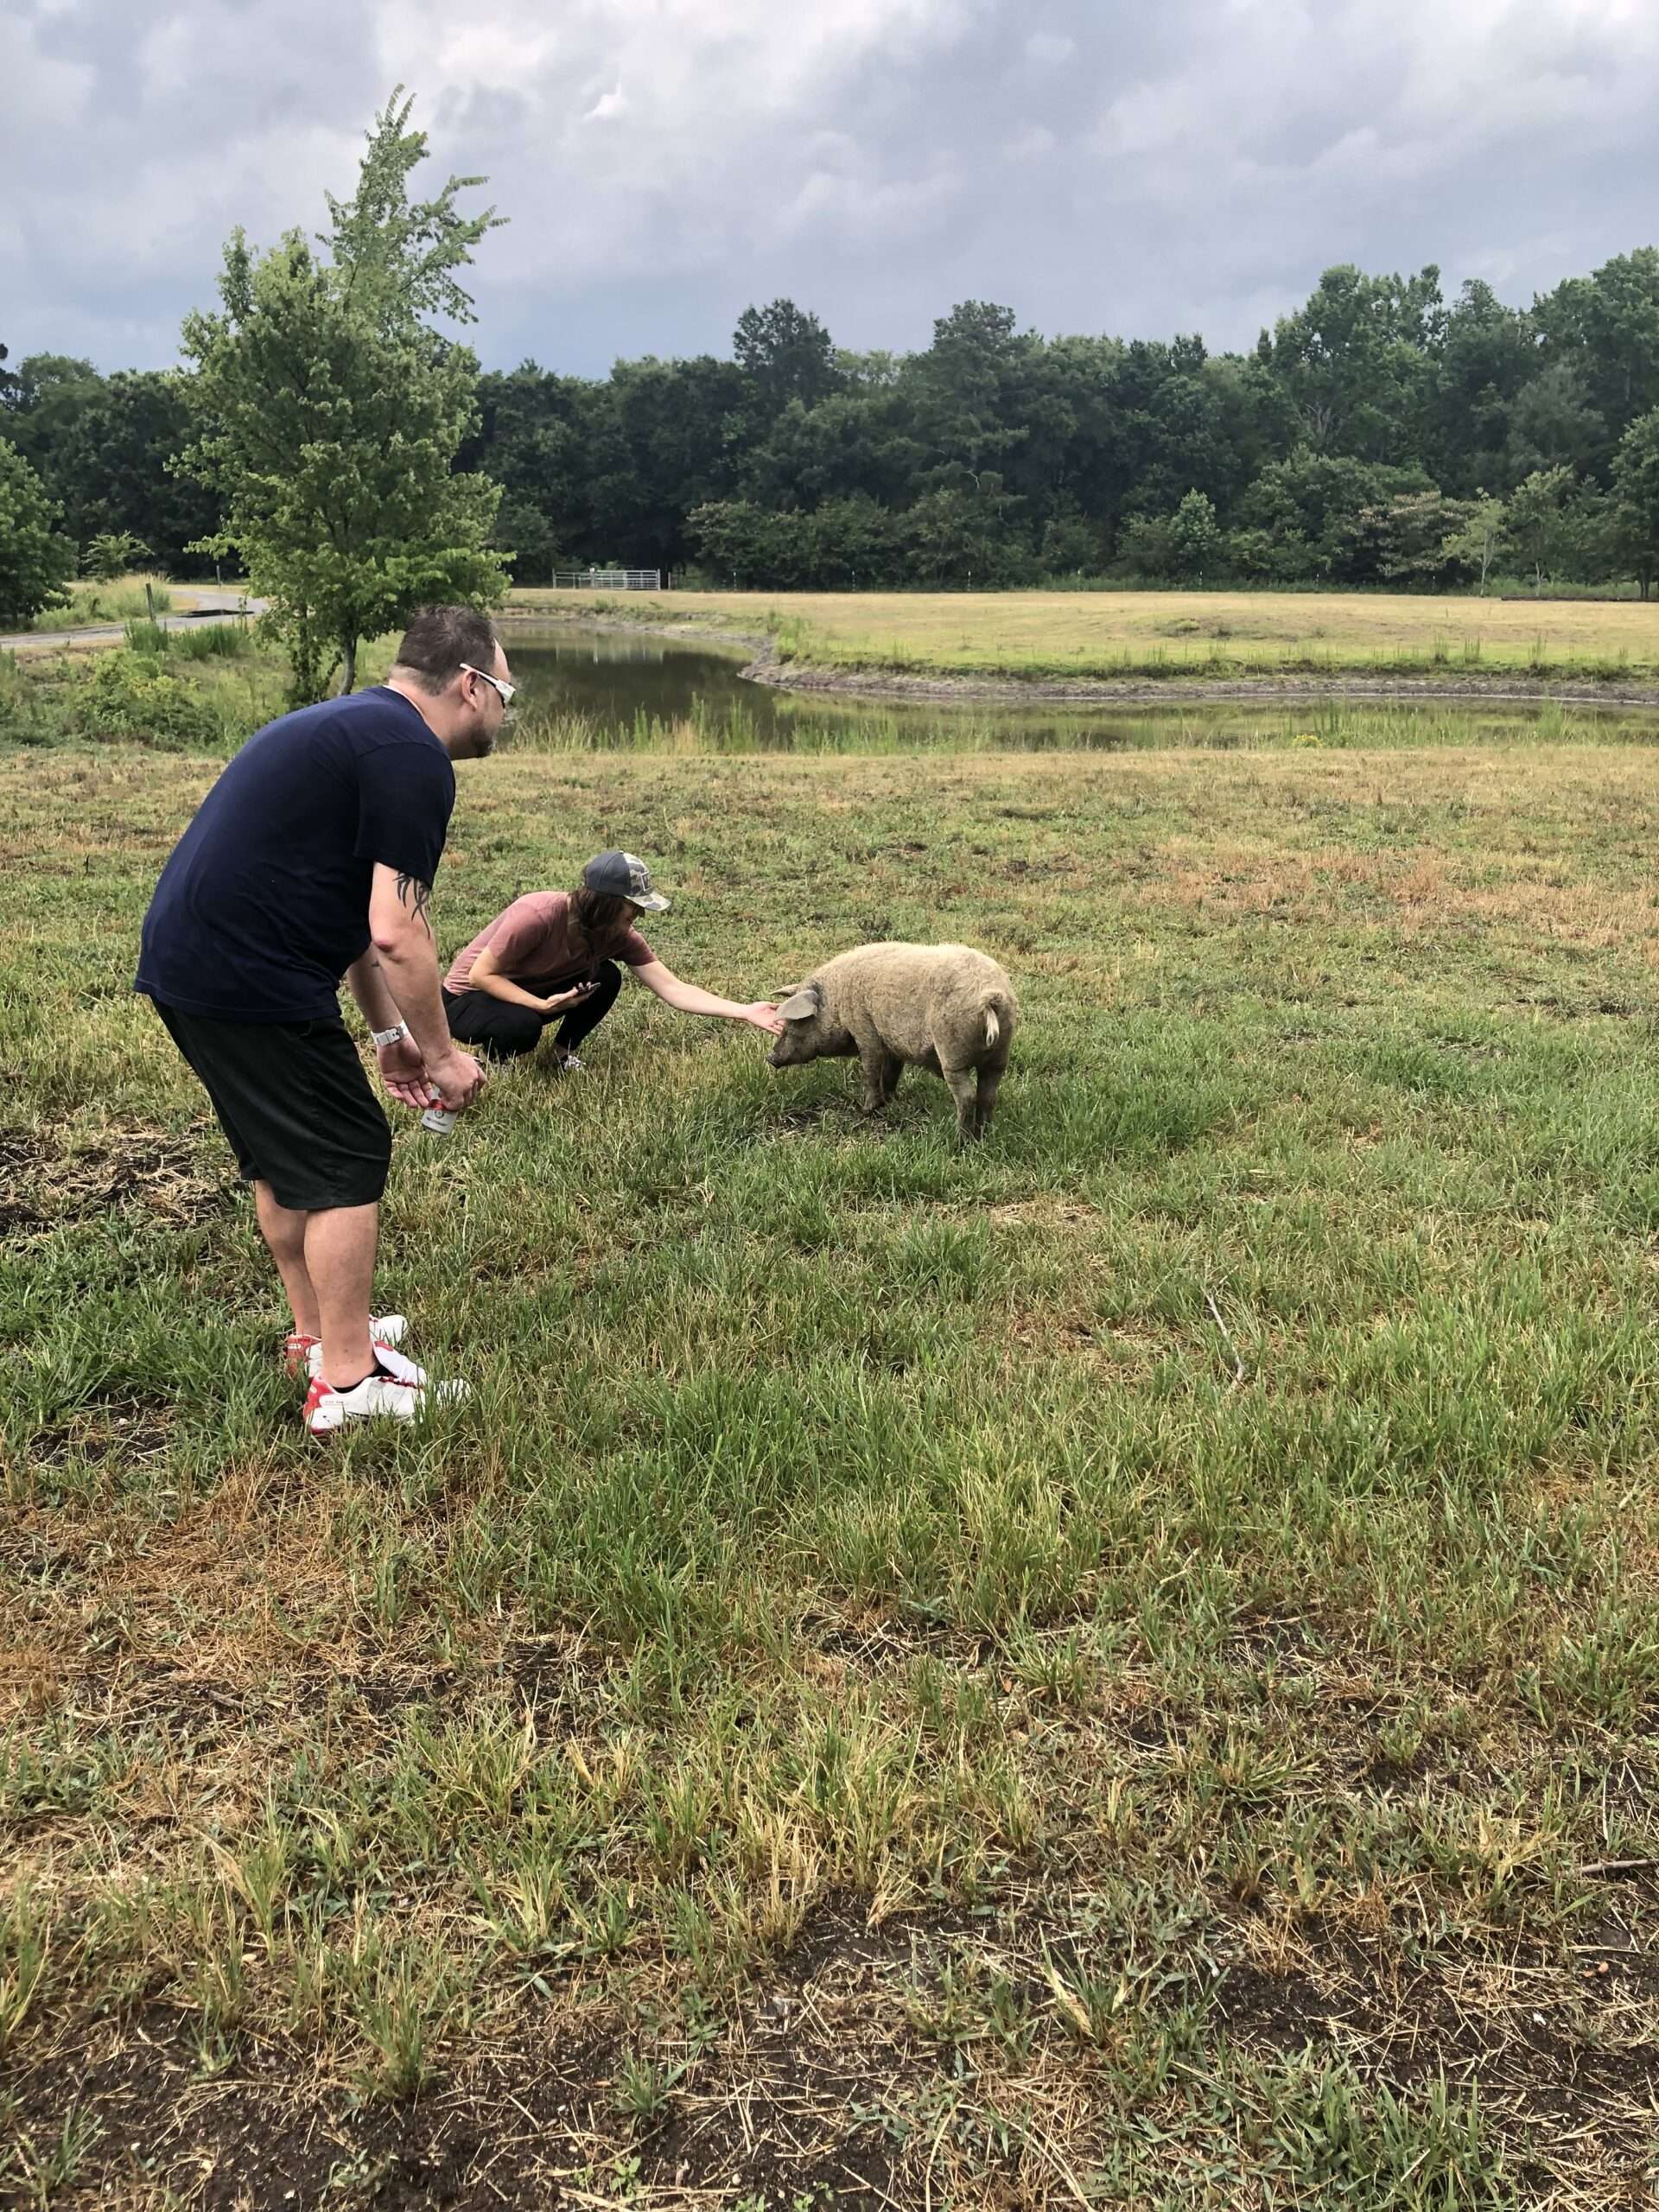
[
  {"x": 137, "y": 1426},
  {"x": 43, "y": 1185},
  {"x": 784, "y": 2100}
]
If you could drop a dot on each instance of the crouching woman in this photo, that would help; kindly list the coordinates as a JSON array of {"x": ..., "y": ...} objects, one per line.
[{"x": 557, "y": 956}]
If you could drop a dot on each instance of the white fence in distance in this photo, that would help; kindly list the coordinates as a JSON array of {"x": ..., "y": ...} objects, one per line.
[{"x": 607, "y": 580}]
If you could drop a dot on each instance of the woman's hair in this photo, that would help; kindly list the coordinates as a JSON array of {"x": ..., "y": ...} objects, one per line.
[{"x": 595, "y": 919}]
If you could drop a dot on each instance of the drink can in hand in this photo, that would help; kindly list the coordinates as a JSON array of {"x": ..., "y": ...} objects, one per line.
[{"x": 440, "y": 1120}]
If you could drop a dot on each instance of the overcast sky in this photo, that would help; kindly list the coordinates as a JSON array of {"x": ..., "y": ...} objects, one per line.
[{"x": 1138, "y": 167}]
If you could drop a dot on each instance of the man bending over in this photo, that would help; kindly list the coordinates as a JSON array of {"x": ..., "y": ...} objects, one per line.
[{"x": 313, "y": 858}]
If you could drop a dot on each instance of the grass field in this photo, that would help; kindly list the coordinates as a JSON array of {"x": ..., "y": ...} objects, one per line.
[
  {"x": 1060, "y": 634},
  {"x": 1117, "y": 1668}
]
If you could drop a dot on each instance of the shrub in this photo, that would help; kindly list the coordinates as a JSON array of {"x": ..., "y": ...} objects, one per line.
[
  {"x": 130, "y": 695},
  {"x": 110, "y": 554},
  {"x": 24, "y": 719}
]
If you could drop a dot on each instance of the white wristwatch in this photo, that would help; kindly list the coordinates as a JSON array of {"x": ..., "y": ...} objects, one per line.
[{"x": 389, "y": 1036}]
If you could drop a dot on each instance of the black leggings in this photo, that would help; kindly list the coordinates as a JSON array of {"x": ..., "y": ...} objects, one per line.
[{"x": 498, "y": 1027}]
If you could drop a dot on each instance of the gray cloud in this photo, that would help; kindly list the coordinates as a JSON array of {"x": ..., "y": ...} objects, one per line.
[{"x": 1095, "y": 164}]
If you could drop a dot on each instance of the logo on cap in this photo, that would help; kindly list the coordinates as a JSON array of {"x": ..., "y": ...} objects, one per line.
[{"x": 624, "y": 875}]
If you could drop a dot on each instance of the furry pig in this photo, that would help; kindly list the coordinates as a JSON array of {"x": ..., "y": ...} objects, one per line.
[{"x": 941, "y": 1006}]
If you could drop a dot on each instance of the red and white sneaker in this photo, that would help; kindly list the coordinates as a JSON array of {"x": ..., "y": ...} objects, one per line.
[
  {"x": 303, "y": 1355},
  {"x": 380, "y": 1396}
]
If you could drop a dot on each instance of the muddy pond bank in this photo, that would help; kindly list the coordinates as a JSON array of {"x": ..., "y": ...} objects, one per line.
[
  {"x": 623, "y": 685},
  {"x": 761, "y": 665}
]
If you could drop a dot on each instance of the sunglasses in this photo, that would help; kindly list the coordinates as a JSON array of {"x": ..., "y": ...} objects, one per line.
[{"x": 507, "y": 690}]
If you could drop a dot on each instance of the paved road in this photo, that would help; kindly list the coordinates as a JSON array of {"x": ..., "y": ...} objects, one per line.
[{"x": 211, "y": 606}]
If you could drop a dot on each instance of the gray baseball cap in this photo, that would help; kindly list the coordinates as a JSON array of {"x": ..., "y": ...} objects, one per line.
[{"x": 624, "y": 875}]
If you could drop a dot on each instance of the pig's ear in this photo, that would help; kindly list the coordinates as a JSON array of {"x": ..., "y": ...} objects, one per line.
[{"x": 802, "y": 1005}]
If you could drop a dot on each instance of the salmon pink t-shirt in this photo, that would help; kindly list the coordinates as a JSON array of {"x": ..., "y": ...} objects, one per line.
[{"x": 531, "y": 940}]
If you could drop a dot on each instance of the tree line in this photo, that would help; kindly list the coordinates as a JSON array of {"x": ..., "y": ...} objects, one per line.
[{"x": 1377, "y": 436}]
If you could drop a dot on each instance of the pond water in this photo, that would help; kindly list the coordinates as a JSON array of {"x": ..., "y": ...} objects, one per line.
[{"x": 590, "y": 688}]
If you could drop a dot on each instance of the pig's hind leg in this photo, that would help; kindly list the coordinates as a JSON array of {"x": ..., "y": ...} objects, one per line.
[
  {"x": 960, "y": 1081},
  {"x": 986, "y": 1105}
]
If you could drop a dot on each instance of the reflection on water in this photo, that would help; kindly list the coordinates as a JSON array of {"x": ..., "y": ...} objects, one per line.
[{"x": 612, "y": 691}]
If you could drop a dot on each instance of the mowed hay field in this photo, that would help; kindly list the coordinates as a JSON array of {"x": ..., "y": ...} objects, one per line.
[
  {"x": 1060, "y": 634},
  {"x": 1116, "y": 1668}
]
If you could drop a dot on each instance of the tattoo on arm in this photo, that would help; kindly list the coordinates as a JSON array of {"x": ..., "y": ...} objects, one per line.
[{"x": 417, "y": 896}]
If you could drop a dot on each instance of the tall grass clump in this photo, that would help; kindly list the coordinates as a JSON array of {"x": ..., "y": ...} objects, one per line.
[
  {"x": 125, "y": 599},
  {"x": 210, "y": 641}
]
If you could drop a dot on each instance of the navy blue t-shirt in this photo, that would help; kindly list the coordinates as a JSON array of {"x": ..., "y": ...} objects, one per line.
[{"x": 265, "y": 903}]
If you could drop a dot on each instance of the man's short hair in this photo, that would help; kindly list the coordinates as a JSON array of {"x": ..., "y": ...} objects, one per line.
[{"x": 441, "y": 640}]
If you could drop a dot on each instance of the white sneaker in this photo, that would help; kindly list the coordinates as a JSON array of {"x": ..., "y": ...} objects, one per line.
[
  {"x": 303, "y": 1355},
  {"x": 400, "y": 1369},
  {"x": 567, "y": 1064},
  {"x": 380, "y": 1396}
]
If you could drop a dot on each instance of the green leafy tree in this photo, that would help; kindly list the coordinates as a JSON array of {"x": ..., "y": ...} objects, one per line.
[
  {"x": 1403, "y": 541},
  {"x": 1487, "y": 355},
  {"x": 850, "y": 444},
  {"x": 336, "y": 411},
  {"x": 785, "y": 353},
  {"x": 967, "y": 536},
  {"x": 39, "y": 405},
  {"x": 1552, "y": 423},
  {"x": 1301, "y": 518},
  {"x": 36, "y": 560},
  {"x": 1471, "y": 545},
  {"x": 966, "y": 392},
  {"x": 670, "y": 418},
  {"x": 1195, "y": 538},
  {"x": 110, "y": 554},
  {"x": 1606, "y": 326},
  {"x": 741, "y": 543},
  {"x": 1538, "y": 523},
  {"x": 1636, "y": 493},
  {"x": 1355, "y": 361},
  {"x": 852, "y": 544},
  {"x": 1069, "y": 546},
  {"x": 1146, "y": 547}
]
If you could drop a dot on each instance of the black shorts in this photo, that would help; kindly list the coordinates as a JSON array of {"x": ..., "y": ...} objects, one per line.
[{"x": 295, "y": 1102}]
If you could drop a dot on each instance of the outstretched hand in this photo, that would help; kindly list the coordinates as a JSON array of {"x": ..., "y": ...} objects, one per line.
[
  {"x": 402, "y": 1070},
  {"x": 765, "y": 1016}
]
